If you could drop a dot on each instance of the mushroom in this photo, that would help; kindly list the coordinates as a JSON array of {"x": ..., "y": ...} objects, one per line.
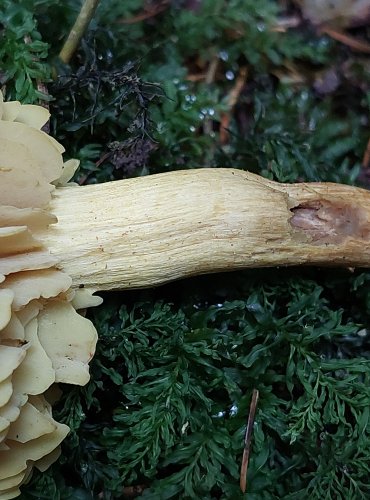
[
  {"x": 60, "y": 243},
  {"x": 43, "y": 340}
]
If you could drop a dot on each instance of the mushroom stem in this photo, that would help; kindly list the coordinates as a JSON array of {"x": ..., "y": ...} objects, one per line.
[{"x": 150, "y": 230}]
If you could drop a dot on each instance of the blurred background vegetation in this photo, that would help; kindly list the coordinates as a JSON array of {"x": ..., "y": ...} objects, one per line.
[{"x": 279, "y": 88}]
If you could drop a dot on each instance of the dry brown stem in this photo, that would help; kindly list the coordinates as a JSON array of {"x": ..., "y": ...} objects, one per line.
[
  {"x": 346, "y": 39},
  {"x": 248, "y": 440},
  {"x": 366, "y": 158},
  {"x": 82, "y": 22},
  {"x": 149, "y": 12},
  {"x": 232, "y": 100}
]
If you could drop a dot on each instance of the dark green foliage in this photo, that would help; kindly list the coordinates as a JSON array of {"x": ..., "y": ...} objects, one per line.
[
  {"x": 22, "y": 52},
  {"x": 275, "y": 147},
  {"x": 167, "y": 406},
  {"x": 110, "y": 93},
  {"x": 172, "y": 384}
]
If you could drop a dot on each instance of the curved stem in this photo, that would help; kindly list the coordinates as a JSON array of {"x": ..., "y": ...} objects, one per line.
[{"x": 82, "y": 22}]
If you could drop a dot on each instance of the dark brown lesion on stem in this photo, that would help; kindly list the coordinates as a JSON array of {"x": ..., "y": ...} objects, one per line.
[{"x": 330, "y": 222}]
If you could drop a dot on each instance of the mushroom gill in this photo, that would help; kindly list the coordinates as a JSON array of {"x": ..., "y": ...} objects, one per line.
[{"x": 43, "y": 340}]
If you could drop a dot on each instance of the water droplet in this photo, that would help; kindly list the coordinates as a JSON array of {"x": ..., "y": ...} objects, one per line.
[
  {"x": 304, "y": 95},
  {"x": 230, "y": 75},
  {"x": 161, "y": 127},
  {"x": 223, "y": 55},
  {"x": 190, "y": 98},
  {"x": 323, "y": 42},
  {"x": 176, "y": 81},
  {"x": 184, "y": 427},
  {"x": 254, "y": 308},
  {"x": 233, "y": 410},
  {"x": 211, "y": 111},
  {"x": 312, "y": 124},
  {"x": 84, "y": 468},
  {"x": 261, "y": 27},
  {"x": 192, "y": 128}
]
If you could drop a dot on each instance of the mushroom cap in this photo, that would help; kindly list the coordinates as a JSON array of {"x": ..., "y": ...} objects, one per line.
[{"x": 43, "y": 340}]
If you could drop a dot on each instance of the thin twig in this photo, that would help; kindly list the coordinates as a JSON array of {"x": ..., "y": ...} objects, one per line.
[
  {"x": 130, "y": 491},
  {"x": 209, "y": 79},
  {"x": 196, "y": 77},
  {"x": 211, "y": 71},
  {"x": 232, "y": 99},
  {"x": 283, "y": 24},
  {"x": 148, "y": 13},
  {"x": 350, "y": 41},
  {"x": 366, "y": 158},
  {"x": 82, "y": 22},
  {"x": 247, "y": 440},
  {"x": 208, "y": 76}
]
